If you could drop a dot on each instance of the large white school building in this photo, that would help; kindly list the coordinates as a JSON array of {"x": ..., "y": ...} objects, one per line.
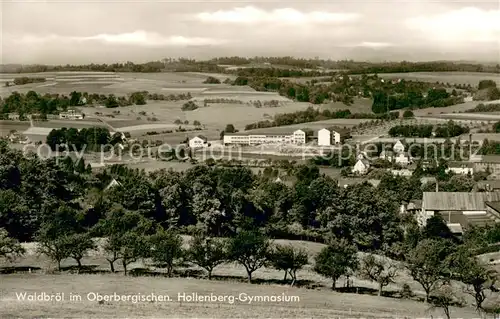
[{"x": 247, "y": 138}]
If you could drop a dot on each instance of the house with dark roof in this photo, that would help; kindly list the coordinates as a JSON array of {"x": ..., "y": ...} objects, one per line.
[{"x": 461, "y": 208}]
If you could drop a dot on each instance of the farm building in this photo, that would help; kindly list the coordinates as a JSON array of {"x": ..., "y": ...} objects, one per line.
[
  {"x": 198, "y": 141},
  {"x": 398, "y": 147},
  {"x": 462, "y": 168},
  {"x": 361, "y": 167},
  {"x": 331, "y": 136},
  {"x": 461, "y": 209},
  {"x": 241, "y": 138},
  {"x": 489, "y": 163},
  {"x": 71, "y": 115}
]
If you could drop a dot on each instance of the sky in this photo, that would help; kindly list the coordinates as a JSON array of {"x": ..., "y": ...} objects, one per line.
[{"x": 92, "y": 31}]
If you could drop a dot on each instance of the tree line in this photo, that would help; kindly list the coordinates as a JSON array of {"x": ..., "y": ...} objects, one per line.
[
  {"x": 44, "y": 104},
  {"x": 212, "y": 65},
  {"x": 451, "y": 129},
  {"x": 311, "y": 115},
  {"x": 26, "y": 80}
]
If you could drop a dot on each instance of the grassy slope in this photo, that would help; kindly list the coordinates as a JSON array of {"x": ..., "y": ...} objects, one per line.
[{"x": 229, "y": 280}]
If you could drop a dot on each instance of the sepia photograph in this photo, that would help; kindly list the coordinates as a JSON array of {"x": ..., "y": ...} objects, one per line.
[{"x": 322, "y": 159}]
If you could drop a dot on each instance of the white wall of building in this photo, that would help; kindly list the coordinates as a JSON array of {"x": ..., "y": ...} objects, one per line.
[
  {"x": 402, "y": 159},
  {"x": 399, "y": 147},
  {"x": 299, "y": 137},
  {"x": 324, "y": 137},
  {"x": 196, "y": 142},
  {"x": 360, "y": 168},
  {"x": 336, "y": 137}
]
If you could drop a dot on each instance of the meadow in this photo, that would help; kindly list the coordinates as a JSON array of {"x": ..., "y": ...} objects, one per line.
[{"x": 315, "y": 298}]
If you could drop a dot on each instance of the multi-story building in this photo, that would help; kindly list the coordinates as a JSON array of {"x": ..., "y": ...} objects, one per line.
[
  {"x": 247, "y": 138},
  {"x": 328, "y": 137}
]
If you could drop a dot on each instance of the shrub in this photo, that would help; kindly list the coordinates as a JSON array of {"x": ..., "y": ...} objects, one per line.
[{"x": 189, "y": 106}]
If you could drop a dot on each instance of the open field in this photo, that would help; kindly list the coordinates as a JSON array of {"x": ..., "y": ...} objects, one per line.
[
  {"x": 215, "y": 116},
  {"x": 7, "y": 126},
  {"x": 360, "y": 105},
  {"x": 117, "y": 83},
  {"x": 228, "y": 281},
  {"x": 452, "y": 109}
]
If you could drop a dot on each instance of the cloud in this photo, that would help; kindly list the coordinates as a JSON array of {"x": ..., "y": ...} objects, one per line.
[
  {"x": 374, "y": 44},
  {"x": 137, "y": 38},
  {"x": 464, "y": 25},
  {"x": 251, "y": 15}
]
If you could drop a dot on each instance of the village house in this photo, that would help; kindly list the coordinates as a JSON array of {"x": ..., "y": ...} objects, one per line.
[
  {"x": 361, "y": 167},
  {"x": 198, "y": 141},
  {"x": 402, "y": 158},
  {"x": 460, "y": 168},
  {"x": 461, "y": 210},
  {"x": 487, "y": 186},
  {"x": 398, "y": 147}
]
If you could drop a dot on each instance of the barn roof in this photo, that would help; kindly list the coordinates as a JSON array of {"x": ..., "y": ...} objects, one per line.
[{"x": 459, "y": 201}]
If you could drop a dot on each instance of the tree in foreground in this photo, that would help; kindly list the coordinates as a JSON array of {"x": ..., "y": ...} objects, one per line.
[
  {"x": 336, "y": 260},
  {"x": 426, "y": 264},
  {"x": 133, "y": 246},
  {"x": 288, "y": 259},
  {"x": 207, "y": 253},
  {"x": 125, "y": 234},
  {"x": 166, "y": 249},
  {"x": 78, "y": 245},
  {"x": 469, "y": 270},
  {"x": 54, "y": 248},
  {"x": 444, "y": 298},
  {"x": 379, "y": 269},
  {"x": 250, "y": 249},
  {"x": 10, "y": 248}
]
